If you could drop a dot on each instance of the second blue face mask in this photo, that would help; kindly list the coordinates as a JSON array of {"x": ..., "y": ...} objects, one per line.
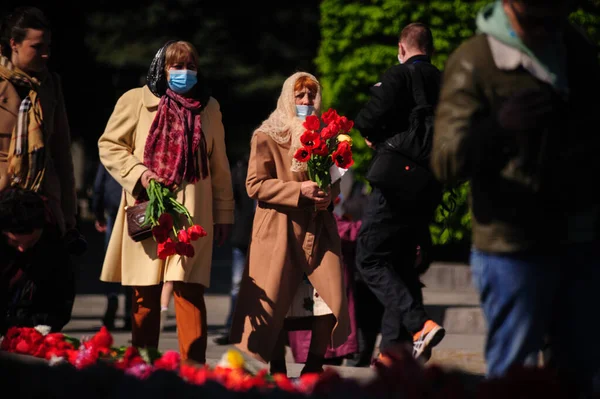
[
  {"x": 302, "y": 111},
  {"x": 182, "y": 80}
]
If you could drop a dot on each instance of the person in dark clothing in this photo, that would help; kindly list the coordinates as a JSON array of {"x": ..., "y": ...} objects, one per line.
[
  {"x": 240, "y": 237},
  {"x": 518, "y": 119},
  {"x": 394, "y": 220},
  {"x": 37, "y": 279},
  {"x": 105, "y": 205}
]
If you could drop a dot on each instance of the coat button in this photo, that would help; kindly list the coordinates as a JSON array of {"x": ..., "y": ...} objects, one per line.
[{"x": 123, "y": 172}]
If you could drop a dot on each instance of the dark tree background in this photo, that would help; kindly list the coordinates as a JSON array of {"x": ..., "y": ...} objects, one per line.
[{"x": 103, "y": 48}]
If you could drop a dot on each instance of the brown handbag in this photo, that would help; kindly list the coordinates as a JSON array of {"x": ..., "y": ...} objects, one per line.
[{"x": 136, "y": 216}]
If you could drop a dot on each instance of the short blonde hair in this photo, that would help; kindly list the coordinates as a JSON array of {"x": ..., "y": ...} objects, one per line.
[{"x": 178, "y": 52}]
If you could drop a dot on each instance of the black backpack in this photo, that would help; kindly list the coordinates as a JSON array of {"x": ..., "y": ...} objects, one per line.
[{"x": 401, "y": 162}]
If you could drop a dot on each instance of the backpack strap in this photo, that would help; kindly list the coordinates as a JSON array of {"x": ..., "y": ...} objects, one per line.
[{"x": 418, "y": 88}]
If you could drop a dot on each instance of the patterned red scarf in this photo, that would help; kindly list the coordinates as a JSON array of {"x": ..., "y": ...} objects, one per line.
[{"x": 172, "y": 143}]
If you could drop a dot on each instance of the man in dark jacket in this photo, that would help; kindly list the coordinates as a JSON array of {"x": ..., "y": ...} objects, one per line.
[
  {"x": 37, "y": 282},
  {"x": 518, "y": 117},
  {"x": 398, "y": 215}
]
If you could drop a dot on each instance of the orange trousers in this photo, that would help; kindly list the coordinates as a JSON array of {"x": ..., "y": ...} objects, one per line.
[{"x": 190, "y": 314}]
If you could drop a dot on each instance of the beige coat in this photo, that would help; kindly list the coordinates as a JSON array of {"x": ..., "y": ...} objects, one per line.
[
  {"x": 209, "y": 201},
  {"x": 59, "y": 179},
  {"x": 288, "y": 239}
]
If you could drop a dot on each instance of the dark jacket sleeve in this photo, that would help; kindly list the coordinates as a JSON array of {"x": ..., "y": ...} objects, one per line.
[
  {"x": 98, "y": 205},
  {"x": 386, "y": 96}
]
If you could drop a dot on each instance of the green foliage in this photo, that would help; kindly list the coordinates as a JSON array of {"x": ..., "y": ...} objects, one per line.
[
  {"x": 452, "y": 220},
  {"x": 359, "y": 41}
]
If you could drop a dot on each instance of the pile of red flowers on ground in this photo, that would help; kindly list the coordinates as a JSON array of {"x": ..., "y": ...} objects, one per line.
[
  {"x": 404, "y": 378},
  {"x": 59, "y": 348}
]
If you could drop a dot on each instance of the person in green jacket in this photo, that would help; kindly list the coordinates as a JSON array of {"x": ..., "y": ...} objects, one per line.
[{"x": 518, "y": 119}]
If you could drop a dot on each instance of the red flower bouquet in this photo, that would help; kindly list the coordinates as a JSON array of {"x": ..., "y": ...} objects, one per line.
[
  {"x": 167, "y": 217},
  {"x": 325, "y": 143}
]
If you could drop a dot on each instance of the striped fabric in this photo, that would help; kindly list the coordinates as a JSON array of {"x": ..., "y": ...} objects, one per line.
[{"x": 26, "y": 157}]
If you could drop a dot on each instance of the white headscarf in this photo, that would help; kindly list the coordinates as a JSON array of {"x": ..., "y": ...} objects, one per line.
[{"x": 283, "y": 125}]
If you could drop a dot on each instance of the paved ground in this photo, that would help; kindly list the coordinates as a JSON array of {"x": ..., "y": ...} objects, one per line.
[{"x": 458, "y": 351}]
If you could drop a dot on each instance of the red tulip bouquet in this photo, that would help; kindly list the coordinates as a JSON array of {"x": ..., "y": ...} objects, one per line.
[
  {"x": 167, "y": 216},
  {"x": 325, "y": 143}
]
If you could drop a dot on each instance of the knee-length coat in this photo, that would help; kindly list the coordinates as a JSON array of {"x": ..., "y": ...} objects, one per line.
[
  {"x": 209, "y": 200},
  {"x": 288, "y": 239}
]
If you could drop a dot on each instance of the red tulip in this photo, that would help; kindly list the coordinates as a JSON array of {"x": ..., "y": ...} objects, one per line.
[
  {"x": 342, "y": 156},
  {"x": 312, "y": 122},
  {"x": 160, "y": 233},
  {"x": 182, "y": 236},
  {"x": 302, "y": 154},
  {"x": 310, "y": 139},
  {"x": 329, "y": 116},
  {"x": 166, "y": 221},
  {"x": 196, "y": 231},
  {"x": 166, "y": 249}
]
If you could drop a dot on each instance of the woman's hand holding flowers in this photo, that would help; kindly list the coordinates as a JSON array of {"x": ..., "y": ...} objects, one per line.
[
  {"x": 147, "y": 176},
  {"x": 310, "y": 190}
]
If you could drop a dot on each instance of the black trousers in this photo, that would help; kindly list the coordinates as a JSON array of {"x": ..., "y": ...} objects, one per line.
[{"x": 385, "y": 258}]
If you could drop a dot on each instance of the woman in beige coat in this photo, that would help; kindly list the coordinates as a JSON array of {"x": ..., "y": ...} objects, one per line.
[
  {"x": 294, "y": 233},
  {"x": 149, "y": 135}
]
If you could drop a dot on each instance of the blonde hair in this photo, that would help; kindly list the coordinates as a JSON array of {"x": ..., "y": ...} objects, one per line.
[
  {"x": 282, "y": 125},
  {"x": 179, "y": 52}
]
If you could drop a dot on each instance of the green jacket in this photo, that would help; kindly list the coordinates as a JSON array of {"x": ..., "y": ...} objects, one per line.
[{"x": 521, "y": 202}]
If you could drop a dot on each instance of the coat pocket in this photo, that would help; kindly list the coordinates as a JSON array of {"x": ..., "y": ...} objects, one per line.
[{"x": 261, "y": 222}]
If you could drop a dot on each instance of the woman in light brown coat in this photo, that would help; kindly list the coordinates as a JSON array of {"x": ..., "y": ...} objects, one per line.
[
  {"x": 294, "y": 233},
  {"x": 150, "y": 135}
]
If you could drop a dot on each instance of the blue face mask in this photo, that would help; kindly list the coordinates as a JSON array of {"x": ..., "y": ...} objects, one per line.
[
  {"x": 182, "y": 80},
  {"x": 302, "y": 111}
]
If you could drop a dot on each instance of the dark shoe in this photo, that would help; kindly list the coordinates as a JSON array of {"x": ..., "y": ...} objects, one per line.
[
  {"x": 222, "y": 340},
  {"x": 277, "y": 367},
  {"x": 313, "y": 364},
  {"x": 111, "y": 312},
  {"x": 312, "y": 370}
]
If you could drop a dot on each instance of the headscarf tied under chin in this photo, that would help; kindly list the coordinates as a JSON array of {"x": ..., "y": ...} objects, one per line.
[
  {"x": 283, "y": 125},
  {"x": 175, "y": 141}
]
